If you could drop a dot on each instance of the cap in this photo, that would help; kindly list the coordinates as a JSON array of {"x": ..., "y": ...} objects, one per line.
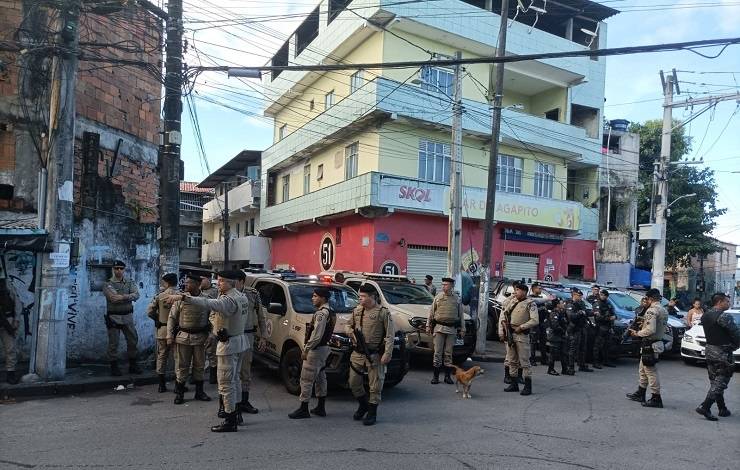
[
  {"x": 448, "y": 279},
  {"x": 576, "y": 290},
  {"x": 368, "y": 289},
  {"x": 322, "y": 292},
  {"x": 604, "y": 292},
  {"x": 429, "y": 277},
  {"x": 230, "y": 275},
  {"x": 170, "y": 278},
  {"x": 653, "y": 294},
  {"x": 240, "y": 275},
  {"x": 595, "y": 286},
  {"x": 194, "y": 277},
  {"x": 536, "y": 284},
  {"x": 521, "y": 286},
  {"x": 119, "y": 264}
]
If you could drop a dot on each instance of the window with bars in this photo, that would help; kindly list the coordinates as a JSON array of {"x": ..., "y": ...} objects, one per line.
[
  {"x": 509, "y": 177},
  {"x": 434, "y": 161},
  {"x": 356, "y": 80},
  {"x": 193, "y": 201},
  {"x": 544, "y": 179},
  {"x": 306, "y": 179},
  {"x": 195, "y": 240},
  {"x": 351, "y": 160},
  {"x": 437, "y": 79}
]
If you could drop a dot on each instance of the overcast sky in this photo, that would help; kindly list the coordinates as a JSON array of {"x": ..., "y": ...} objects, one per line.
[{"x": 629, "y": 79}]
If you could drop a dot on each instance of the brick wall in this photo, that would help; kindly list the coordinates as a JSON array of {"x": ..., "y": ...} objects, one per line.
[{"x": 9, "y": 19}]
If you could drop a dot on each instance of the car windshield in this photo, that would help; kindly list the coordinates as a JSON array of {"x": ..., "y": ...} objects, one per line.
[
  {"x": 405, "y": 293},
  {"x": 565, "y": 295},
  {"x": 342, "y": 299},
  {"x": 736, "y": 316},
  {"x": 624, "y": 301}
]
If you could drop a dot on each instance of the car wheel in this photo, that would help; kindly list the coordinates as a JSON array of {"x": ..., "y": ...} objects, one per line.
[{"x": 290, "y": 370}]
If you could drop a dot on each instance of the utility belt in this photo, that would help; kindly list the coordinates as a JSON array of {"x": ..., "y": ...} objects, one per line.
[
  {"x": 158, "y": 324},
  {"x": 523, "y": 332},
  {"x": 251, "y": 330},
  {"x": 224, "y": 336},
  {"x": 195, "y": 331},
  {"x": 454, "y": 324},
  {"x": 126, "y": 312}
]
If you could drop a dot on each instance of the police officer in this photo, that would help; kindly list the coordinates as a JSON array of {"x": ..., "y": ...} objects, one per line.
[
  {"x": 557, "y": 323},
  {"x": 230, "y": 311},
  {"x": 187, "y": 330},
  {"x": 255, "y": 319},
  {"x": 314, "y": 355},
  {"x": 8, "y": 329},
  {"x": 604, "y": 317},
  {"x": 594, "y": 295},
  {"x": 514, "y": 324},
  {"x": 120, "y": 295},
  {"x": 538, "y": 336},
  {"x": 207, "y": 290},
  {"x": 575, "y": 311},
  {"x": 428, "y": 279},
  {"x": 159, "y": 311},
  {"x": 651, "y": 345},
  {"x": 446, "y": 323},
  {"x": 723, "y": 337},
  {"x": 374, "y": 324}
]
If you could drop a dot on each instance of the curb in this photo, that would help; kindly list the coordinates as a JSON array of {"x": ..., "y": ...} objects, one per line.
[
  {"x": 487, "y": 358},
  {"x": 66, "y": 388}
]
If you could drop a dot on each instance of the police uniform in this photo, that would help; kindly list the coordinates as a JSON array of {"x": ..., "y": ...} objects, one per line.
[
  {"x": 230, "y": 312},
  {"x": 255, "y": 319},
  {"x": 604, "y": 322},
  {"x": 446, "y": 322},
  {"x": 576, "y": 315},
  {"x": 651, "y": 345},
  {"x": 522, "y": 314},
  {"x": 119, "y": 319},
  {"x": 211, "y": 293},
  {"x": 159, "y": 311},
  {"x": 8, "y": 330},
  {"x": 188, "y": 325},
  {"x": 376, "y": 325},
  {"x": 557, "y": 323},
  {"x": 538, "y": 335}
]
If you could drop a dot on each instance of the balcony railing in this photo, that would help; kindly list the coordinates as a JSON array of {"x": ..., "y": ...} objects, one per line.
[
  {"x": 251, "y": 249},
  {"x": 242, "y": 198}
]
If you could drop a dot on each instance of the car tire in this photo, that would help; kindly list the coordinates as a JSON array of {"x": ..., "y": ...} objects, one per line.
[{"x": 290, "y": 370}]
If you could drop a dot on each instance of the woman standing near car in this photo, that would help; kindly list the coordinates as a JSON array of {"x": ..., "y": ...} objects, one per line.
[{"x": 694, "y": 315}]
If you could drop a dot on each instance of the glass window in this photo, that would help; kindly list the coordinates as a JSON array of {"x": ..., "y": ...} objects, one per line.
[
  {"x": 238, "y": 230},
  {"x": 311, "y": 105},
  {"x": 306, "y": 179},
  {"x": 351, "y": 158},
  {"x": 509, "y": 177},
  {"x": 329, "y": 100},
  {"x": 194, "y": 239},
  {"x": 286, "y": 188},
  {"x": 434, "y": 161},
  {"x": 282, "y": 131},
  {"x": 320, "y": 172},
  {"x": 544, "y": 179},
  {"x": 405, "y": 293},
  {"x": 437, "y": 79},
  {"x": 356, "y": 81},
  {"x": 342, "y": 299}
]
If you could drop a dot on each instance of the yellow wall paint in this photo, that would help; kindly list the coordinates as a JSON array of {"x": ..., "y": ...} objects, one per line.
[{"x": 550, "y": 99}]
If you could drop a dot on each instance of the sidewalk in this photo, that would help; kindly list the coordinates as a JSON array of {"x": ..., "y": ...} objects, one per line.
[{"x": 495, "y": 352}]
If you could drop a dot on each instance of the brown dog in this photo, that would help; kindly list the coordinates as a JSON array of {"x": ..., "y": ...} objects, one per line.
[{"x": 465, "y": 378}]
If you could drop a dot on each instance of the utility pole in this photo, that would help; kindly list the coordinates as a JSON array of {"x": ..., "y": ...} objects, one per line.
[
  {"x": 51, "y": 343},
  {"x": 454, "y": 242},
  {"x": 489, "y": 222},
  {"x": 169, "y": 149},
  {"x": 227, "y": 230}
]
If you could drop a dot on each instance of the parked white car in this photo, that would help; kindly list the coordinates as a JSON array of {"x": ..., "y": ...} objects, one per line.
[{"x": 694, "y": 343}]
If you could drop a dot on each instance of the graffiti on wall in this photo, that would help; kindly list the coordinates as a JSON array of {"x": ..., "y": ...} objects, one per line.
[
  {"x": 72, "y": 309},
  {"x": 18, "y": 269}
]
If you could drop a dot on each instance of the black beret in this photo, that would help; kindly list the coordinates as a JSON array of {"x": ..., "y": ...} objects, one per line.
[
  {"x": 604, "y": 292},
  {"x": 653, "y": 294},
  {"x": 119, "y": 264},
  {"x": 194, "y": 277},
  {"x": 576, "y": 290},
  {"x": 170, "y": 278},
  {"x": 429, "y": 277},
  {"x": 230, "y": 275},
  {"x": 520, "y": 285},
  {"x": 535, "y": 284},
  {"x": 448, "y": 279},
  {"x": 368, "y": 289},
  {"x": 322, "y": 292}
]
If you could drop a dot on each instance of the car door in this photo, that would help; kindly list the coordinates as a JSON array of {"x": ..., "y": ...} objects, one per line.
[{"x": 277, "y": 331}]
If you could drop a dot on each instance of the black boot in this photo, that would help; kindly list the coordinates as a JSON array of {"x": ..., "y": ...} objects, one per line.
[
  {"x": 212, "y": 378},
  {"x": 114, "y": 370},
  {"x": 320, "y": 409},
  {"x": 513, "y": 386},
  {"x": 723, "y": 411},
  {"x": 372, "y": 414},
  {"x": 361, "y": 408},
  {"x": 598, "y": 366},
  {"x": 229, "y": 424},
  {"x": 239, "y": 417},
  {"x": 654, "y": 402},
  {"x": 639, "y": 395},
  {"x": 221, "y": 411},
  {"x": 584, "y": 368},
  {"x": 11, "y": 377},
  {"x": 247, "y": 407},
  {"x": 162, "y": 384},
  {"x": 200, "y": 395},
  {"x": 435, "y": 377},
  {"x": 520, "y": 376},
  {"x": 133, "y": 367},
  {"x": 551, "y": 370},
  {"x": 179, "y": 394},
  {"x": 301, "y": 412},
  {"x": 527, "y": 386},
  {"x": 507, "y": 376},
  {"x": 705, "y": 409},
  {"x": 563, "y": 369},
  {"x": 448, "y": 377}
]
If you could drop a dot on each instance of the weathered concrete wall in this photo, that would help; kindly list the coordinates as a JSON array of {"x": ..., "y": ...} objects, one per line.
[
  {"x": 614, "y": 247},
  {"x": 613, "y": 274},
  {"x": 18, "y": 268}
]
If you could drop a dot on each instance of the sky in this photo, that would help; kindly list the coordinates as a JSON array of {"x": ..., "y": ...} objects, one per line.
[{"x": 633, "y": 87}]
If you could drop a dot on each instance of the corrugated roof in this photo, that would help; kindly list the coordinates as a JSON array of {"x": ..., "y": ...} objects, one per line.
[
  {"x": 236, "y": 165},
  {"x": 192, "y": 187}
]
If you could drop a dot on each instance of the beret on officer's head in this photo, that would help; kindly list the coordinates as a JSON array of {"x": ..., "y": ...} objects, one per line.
[
  {"x": 368, "y": 289},
  {"x": 119, "y": 264},
  {"x": 429, "y": 277},
  {"x": 448, "y": 279},
  {"x": 322, "y": 292},
  {"x": 194, "y": 277},
  {"x": 521, "y": 286},
  {"x": 231, "y": 275},
  {"x": 653, "y": 294},
  {"x": 170, "y": 278},
  {"x": 576, "y": 290}
]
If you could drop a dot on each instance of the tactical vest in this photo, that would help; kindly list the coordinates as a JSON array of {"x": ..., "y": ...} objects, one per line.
[
  {"x": 713, "y": 331},
  {"x": 235, "y": 323},
  {"x": 193, "y": 316},
  {"x": 252, "y": 296},
  {"x": 447, "y": 310},
  {"x": 372, "y": 324},
  {"x": 331, "y": 321},
  {"x": 661, "y": 320},
  {"x": 164, "y": 309},
  {"x": 576, "y": 315},
  {"x": 122, "y": 287},
  {"x": 520, "y": 313}
]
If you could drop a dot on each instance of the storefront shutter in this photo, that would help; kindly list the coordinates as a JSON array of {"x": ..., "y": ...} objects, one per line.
[
  {"x": 521, "y": 266},
  {"x": 427, "y": 260}
]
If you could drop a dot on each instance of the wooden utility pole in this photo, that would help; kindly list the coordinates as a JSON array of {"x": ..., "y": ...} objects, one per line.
[{"x": 454, "y": 242}]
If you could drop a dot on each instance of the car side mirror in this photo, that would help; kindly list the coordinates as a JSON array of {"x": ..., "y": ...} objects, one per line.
[{"x": 276, "y": 308}]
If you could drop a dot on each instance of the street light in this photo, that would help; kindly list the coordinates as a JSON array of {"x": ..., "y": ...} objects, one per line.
[{"x": 668, "y": 209}]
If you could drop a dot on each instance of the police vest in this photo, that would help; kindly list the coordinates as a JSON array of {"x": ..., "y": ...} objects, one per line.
[
  {"x": 447, "y": 310},
  {"x": 714, "y": 332},
  {"x": 661, "y": 320},
  {"x": 331, "y": 321},
  {"x": 193, "y": 317},
  {"x": 235, "y": 323},
  {"x": 252, "y": 296},
  {"x": 372, "y": 324},
  {"x": 520, "y": 313},
  {"x": 122, "y": 287},
  {"x": 163, "y": 306}
]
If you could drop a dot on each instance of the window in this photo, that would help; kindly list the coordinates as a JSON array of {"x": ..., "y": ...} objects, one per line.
[
  {"x": 543, "y": 179},
  {"x": 220, "y": 234},
  {"x": 320, "y": 172},
  {"x": 437, "y": 79},
  {"x": 282, "y": 131},
  {"x": 286, "y": 188},
  {"x": 311, "y": 105},
  {"x": 356, "y": 81},
  {"x": 434, "y": 161},
  {"x": 238, "y": 230},
  {"x": 195, "y": 240},
  {"x": 306, "y": 179},
  {"x": 253, "y": 173},
  {"x": 329, "y": 100},
  {"x": 251, "y": 227},
  {"x": 575, "y": 271},
  {"x": 509, "y": 177},
  {"x": 553, "y": 114},
  {"x": 351, "y": 160}
]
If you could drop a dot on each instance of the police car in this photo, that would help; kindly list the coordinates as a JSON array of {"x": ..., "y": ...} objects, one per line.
[{"x": 694, "y": 343}]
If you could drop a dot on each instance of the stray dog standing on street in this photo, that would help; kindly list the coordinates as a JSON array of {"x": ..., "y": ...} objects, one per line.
[{"x": 465, "y": 378}]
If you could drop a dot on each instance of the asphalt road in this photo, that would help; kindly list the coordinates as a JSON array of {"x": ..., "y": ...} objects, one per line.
[{"x": 569, "y": 422}]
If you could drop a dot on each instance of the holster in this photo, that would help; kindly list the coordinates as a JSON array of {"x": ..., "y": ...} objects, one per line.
[
  {"x": 110, "y": 324},
  {"x": 648, "y": 356},
  {"x": 222, "y": 335}
]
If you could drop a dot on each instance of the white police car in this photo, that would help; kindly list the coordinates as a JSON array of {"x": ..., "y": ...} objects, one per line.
[{"x": 694, "y": 343}]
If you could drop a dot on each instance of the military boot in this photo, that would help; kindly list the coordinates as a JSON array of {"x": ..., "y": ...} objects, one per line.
[
  {"x": 527, "y": 386},
  {"x": 221, "y": 411},
  {"x": 723, "y": 411},
  {"x": 372, "y": 414},
  {"x": 361, "y": 408},
  {"x": 705, "y": 409},
  {"x": 301, "y": 412},
  {"x": 435, "y": 377},
  {"x": 133, "y": 367},
  {"x": 200, "y": 395},
  {"x": 654, "y": 402},
  {"x": 584, "y": 368},
  {"x": 228, "y": 425},
  {"x": 448, "y": 377},
  {"x": 239, "y": 417},
  {"x": 11, "y": 377},
  {"x": 639, "y": 395},
  {"x": 507, "y": 375},
  {"x": 551, "y": 370},
  {"x": 247, "y": 407},
  {"x": 179, "y": 394},
  {"x": 513, "y": 386},
  {"x": 320, "y": 409},
  {"x": 520, "y": 376},
  {"x": 114, "y": 370},
  {"x": 162, "y": 384},
  {"x": 212, "y": 377}
]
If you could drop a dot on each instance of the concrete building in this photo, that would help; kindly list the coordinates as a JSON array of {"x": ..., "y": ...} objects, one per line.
[
  {"x": 716, "y": 272},
  {"x": 358, "y": 175},
  {"x": 116, "y": 179},
  {"x": 236, "y": 187},
  {"x": 192, "y": 200}
]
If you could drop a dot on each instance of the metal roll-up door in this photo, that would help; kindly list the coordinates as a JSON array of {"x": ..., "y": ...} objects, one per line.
[
  {"x": 427, "y": 260},
  {"x": 521, "y": 266}
]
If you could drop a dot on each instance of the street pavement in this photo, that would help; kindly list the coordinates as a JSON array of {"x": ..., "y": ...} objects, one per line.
[{"x": 569, "y": 422}]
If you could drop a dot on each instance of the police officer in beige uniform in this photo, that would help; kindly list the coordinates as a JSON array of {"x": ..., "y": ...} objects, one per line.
[
  {"x": 8, "y": 331},
  {"x": 315, "y": 353},
  {"x": 120, "y": 295},
  {"x": 255, "y": 319},
  {"x": 210, "y": 292},
  {"x": 187, "y": 330},
  {"x": 519, "y": 315},
  {"x": 374, "y": 324},
  {"x": 230, "y": 310},
  {"x": 651, "y": 345},
  {"x": 446, "y": 323},
  {"x": 159, "y": 311}
]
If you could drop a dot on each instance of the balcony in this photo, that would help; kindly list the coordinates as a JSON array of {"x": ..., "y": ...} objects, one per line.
[
  {"x": 243, "y": 198},
  {"x": 250, "y": 249}
]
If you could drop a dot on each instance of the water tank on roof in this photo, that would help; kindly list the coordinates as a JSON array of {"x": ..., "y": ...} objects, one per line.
[{"x": 619, "y": 125}]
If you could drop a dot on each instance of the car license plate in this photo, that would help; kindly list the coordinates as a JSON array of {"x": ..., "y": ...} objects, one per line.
[
  {"x": 701, "y": 352},
  {"x": 459, "y": 342}
]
